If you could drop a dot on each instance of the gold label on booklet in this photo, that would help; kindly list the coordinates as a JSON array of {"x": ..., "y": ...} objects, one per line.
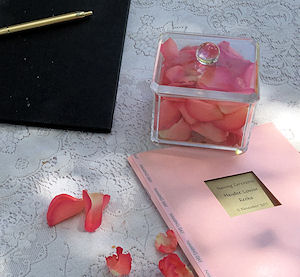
[{"x": 242, "y": 193}]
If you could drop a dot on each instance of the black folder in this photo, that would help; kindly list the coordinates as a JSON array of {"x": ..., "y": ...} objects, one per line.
[{"x": 64, "y": 75}]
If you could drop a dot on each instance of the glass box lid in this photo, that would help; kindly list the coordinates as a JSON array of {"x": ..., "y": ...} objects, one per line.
[{"x": 211, "y": 67}]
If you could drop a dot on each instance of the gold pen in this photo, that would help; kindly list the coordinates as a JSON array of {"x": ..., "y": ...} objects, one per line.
[{"x": 44, "y": 22}]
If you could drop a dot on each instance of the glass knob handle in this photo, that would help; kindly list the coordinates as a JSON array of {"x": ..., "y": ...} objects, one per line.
[{"x": 208, "y": 53}]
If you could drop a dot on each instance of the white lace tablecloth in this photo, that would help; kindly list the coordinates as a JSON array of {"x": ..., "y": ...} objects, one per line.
[{"x": 37, "y": 164}]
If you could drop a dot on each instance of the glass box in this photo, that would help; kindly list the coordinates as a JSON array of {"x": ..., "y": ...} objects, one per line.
[{"x": 205, "y": 91}]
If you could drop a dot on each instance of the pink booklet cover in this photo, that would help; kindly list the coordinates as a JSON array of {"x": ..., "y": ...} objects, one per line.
[{"x": 261, "y": 243}]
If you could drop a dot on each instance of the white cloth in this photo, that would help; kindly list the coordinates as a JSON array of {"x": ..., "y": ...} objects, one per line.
[{"x": 36, "y": 164}]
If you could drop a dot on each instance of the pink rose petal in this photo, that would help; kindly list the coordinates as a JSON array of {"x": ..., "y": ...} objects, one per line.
[
  {"x": 229, "y": 107},
  {"x": 169, "y": 50},
  {"x": 180, "y": 131},
  {"x": 187, "y": 55},
  {"x": 233, "y": 121},
  {"x": 231, "y": 59},
  {"x": 185, "y": 114},
  {"x": 169, "y": 115},
  {"x": 216, "y": 78},
  {"x": 203, "y": 111},
  {"x": 235, "y": 138},
  {"x": 175, "y": 74},
  {"x": 250, "y": 77},
  {"x": 209, "y": 131}
]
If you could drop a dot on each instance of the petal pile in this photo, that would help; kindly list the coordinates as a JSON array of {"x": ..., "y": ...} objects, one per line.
[
  {"x": 172, "y": 266},
  {"x": 119, "y": 264},
  {"x": 230, "y": 73},
  {"x": 166, "y": 243},
  {"x": 64, "y": 206},
  {"x": 201, "y": 121}
]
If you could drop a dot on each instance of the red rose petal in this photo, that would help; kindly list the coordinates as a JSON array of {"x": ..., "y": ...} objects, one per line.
[
  {"x": 119, "y": 264},
  {"x": 62, "y": 207},
  {"x": 94, "y": 206},
  {"x": 166, "y": 243},
  {"x": 172, "y": 266}
]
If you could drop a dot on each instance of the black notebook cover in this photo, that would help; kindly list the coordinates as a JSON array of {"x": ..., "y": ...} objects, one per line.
[{"x": 65, "y": 75}]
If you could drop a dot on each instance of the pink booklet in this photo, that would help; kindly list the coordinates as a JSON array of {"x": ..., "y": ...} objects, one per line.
[{"x": 234, "y": 215}]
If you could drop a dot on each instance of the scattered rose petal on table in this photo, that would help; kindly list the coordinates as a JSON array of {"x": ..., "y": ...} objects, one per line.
[
  {"x": 94, "y": 203},
  {"x": 172, "y": 266},
  {"x": 119, "y": 264},
  {"x": 62, "y": 207},
  {"x": 166, "y": 243}
]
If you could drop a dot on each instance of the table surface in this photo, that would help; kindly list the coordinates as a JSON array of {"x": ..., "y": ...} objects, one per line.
[{"x": 37, "y": 164}]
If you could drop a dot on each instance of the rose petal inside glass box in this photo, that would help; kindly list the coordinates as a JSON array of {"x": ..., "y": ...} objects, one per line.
[{"x": 201, "y": 121}]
